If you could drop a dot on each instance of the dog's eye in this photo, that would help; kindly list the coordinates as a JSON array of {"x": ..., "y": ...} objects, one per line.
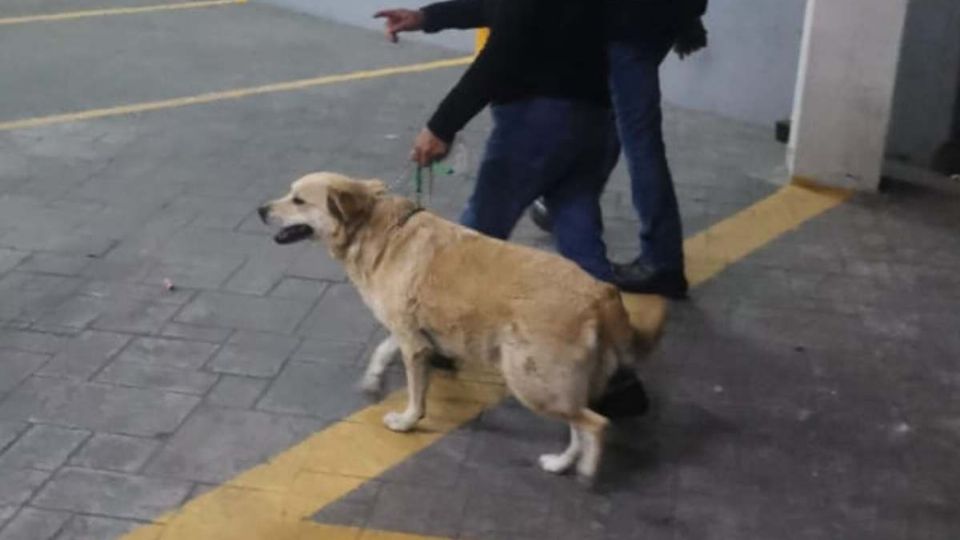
[{"x": 298, "y": 201}]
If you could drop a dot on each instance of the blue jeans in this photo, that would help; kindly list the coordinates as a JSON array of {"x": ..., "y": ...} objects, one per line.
[
  {"x": 635, "y": 89},
  {"x": 558, "y": 149}
]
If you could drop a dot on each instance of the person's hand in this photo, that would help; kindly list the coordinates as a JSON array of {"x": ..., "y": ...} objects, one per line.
[
  {"x": 428, "y": 148},
  {"x": 400, "y": 20}
]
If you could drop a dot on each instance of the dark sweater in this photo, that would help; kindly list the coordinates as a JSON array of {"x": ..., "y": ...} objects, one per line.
[
  {"x": 650, "y": 21},
  {"x": 537, "y": 48}
]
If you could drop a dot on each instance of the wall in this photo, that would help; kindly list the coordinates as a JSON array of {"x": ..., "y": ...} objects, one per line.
[
  {"x": 750, "y": 68},
  {"x": 928, "y": 84}
]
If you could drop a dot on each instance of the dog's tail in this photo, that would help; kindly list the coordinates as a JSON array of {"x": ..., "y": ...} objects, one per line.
[{"x": 628, "y": 345}]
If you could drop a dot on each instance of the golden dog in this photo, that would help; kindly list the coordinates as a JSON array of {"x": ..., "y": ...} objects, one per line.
[{"x": 555, "y": 333}]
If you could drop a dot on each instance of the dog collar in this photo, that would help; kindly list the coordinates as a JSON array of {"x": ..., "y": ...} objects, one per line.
[{"x": 403, "y": 221}]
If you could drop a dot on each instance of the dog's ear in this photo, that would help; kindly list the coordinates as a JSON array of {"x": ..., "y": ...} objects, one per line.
[
  {"x": 348, "y": 206},
  {"x": 375, "y": 187}
]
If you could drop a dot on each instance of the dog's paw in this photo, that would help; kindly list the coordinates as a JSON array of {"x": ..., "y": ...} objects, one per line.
[
  {"x": 398, "y": 422},
  {"x": 370, "y": 384},
  {"x": 555, "y": 463}
]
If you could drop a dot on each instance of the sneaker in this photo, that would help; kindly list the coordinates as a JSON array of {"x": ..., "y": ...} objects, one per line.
[{"x": 540, "y": 216}]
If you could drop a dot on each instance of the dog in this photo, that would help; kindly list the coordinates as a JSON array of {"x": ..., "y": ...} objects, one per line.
[{"x": 556, "y": 334}]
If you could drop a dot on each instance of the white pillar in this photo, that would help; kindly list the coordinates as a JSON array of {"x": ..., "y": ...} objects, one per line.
[{"x": 848, "y": 68}]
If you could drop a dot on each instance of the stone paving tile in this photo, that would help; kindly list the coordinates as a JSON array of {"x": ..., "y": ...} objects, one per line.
[
  {"x": 262, "y": 270},
  {"x": 136, "y": 316},
  {"x": 321, "y": 390},
  {"x": 120, "y": 453},
  {"x": 6, "y": 512},
  {"x": 254, "y": 354},
  {"x": 316, "y": 264},
  {"x": 336, "y": 352},
  {"x": 353, "y": 509},
  {"x": 95, "y": 528},
  {"x": 9, "y": 431},
  {"x": 58, "y": 241},
  {"x": 419, "y": 509},
  {"x": 196, "y": 333},
  {"x": 157, "y": 376},
  {"x": 299, "y": 288},
  {"x": 34, "y": 524},
  {"x": 278, "y": 315},
  {"x": 26, "y": 297},
  {"x": 135, "y": 291},
  {"x": 236, "y": 391},
  {"x": 110, "y": 494},
  {"x": 19, "y": 484},
  {"x": 9, "y": 259},
  {"x": 84, "y": 355},
  {"x": 171, "y": 353},
  {"x": 97, "y": 407},
  {"x": 53, "y": 263},
  {"x": 489, "y": 518},
  {"x": 15, "y": 366},
  {"x": 217, "y": 443},
  {"x": 340, "y": 315},
  {"x": 37, "y": 342},
  {"x": 42, "y": 447}
]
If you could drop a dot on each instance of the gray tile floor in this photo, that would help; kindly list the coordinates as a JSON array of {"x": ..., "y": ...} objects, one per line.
[{"x": 810, "y": 391}]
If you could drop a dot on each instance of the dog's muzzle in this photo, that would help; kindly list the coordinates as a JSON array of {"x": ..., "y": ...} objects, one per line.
[{"x": 293, "y": 233}]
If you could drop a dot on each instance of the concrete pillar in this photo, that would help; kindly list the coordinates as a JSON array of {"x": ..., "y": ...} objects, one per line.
[{"x": 848, "y": 68}]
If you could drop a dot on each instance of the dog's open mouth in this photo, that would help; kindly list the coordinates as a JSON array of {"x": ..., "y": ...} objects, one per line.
[{"x": 293, "y": 233}]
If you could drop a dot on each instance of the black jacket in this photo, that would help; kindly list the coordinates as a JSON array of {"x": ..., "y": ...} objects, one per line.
[
  {"x": 650, "y": 20},
  {"x": 537, "y": 48}
]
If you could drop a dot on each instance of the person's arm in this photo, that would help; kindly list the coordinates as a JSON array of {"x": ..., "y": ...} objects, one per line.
[
  {"x": 501, "y": 60},
  {"x": 455, "y": 14},
  {"x": 433, "y": 18}
]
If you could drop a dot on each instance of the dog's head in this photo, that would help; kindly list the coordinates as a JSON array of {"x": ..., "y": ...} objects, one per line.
[{"x": 323, "y": 206}]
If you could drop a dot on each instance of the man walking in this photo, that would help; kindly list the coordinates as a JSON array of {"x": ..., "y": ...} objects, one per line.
[
  {"x": 641, "y": 34},
  {"x": 544, "y": 74}
]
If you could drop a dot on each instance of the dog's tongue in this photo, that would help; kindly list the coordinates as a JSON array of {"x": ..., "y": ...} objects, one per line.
[{"x": 293, "y": 233}]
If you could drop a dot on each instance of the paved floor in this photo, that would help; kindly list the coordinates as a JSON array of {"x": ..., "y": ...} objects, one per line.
[{"x": 811, "y": 390}]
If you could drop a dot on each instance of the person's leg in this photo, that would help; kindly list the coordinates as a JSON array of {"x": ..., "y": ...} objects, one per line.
[
  {"x": 574, "y": 200},
  {"x": 510, "y": 175},
  {"x": 545, "y": 146},
  {"x": 635, "y": 89}
]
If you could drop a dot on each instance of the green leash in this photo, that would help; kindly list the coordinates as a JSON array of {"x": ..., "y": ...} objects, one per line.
[{"x": 418, "y": 180}]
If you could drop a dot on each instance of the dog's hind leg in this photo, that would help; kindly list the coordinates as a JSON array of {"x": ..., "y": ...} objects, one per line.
[
  {"x": 415, "y": 360},
  {"x": 560, "y": 463},
  {"x": 591, "y": 427},
  {"x": 379, "y": 361}
]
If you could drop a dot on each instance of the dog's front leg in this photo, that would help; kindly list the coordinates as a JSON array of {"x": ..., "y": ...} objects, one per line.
[
  {"x": 415, "y": 361},
  {"x": 382, "y": 356}
]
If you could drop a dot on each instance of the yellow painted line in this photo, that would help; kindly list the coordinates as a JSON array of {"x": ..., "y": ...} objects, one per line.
[
  {"x": 70, "y": 15},
  {"x": 711, "y": 251},
  {"x": 289, "y": 86},
  {"x": 275, "y": 501}
]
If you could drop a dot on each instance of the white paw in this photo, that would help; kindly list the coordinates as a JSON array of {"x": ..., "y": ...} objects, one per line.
[
  {"x": 370, "y": 384},
  {"x": 398, "y": 422},
  {"x": 555, "y": 463}
]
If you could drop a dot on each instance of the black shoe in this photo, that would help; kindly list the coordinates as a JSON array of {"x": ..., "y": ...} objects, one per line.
[
  {"x": 624, "y": 397},
  {"x": 442, "y": 363},
  {"x": 540, "y": 216},
  {"x": 640, "y": 278}
]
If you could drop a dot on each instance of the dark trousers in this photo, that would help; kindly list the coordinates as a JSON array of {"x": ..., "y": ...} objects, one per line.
[
  {"x": 561, "y": 150},
  {"x": 635, "y": 89}
]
